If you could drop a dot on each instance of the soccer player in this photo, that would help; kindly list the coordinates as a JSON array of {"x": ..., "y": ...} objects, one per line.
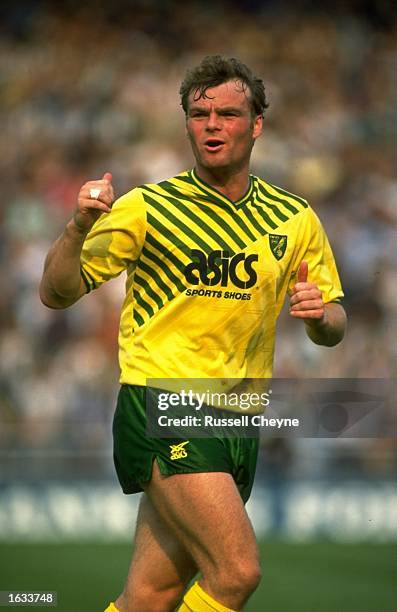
[{"x": 210, "y": 256}]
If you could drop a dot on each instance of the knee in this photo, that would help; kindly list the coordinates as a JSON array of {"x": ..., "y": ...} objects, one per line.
[
  {"x": 246, "y": 574},
  {"x": 240, "y": 577}
]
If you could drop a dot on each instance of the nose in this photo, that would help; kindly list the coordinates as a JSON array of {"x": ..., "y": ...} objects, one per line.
[{"x": 213, "y": 122}]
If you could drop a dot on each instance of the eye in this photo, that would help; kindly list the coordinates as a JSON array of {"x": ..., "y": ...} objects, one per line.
[{"x": 230, "y": 113}]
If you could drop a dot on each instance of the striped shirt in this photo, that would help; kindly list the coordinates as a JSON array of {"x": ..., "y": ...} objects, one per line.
[{"x": 206, "y": 277}]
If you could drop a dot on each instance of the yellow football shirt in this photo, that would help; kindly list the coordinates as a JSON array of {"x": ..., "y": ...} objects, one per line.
[{"x": 206, "y": 277}]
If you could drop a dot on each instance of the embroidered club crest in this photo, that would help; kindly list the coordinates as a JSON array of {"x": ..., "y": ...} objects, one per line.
[{"x": 277, "y": 244}]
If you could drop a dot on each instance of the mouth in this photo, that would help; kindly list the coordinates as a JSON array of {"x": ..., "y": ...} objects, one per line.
[{"x": 213, "y": 144}]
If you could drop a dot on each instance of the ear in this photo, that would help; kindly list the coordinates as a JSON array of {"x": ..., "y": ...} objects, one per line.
[{"x": 258, "y": 126}]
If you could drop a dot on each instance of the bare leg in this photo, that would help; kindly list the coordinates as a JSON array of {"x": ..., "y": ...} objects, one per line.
[
  {"x": 160, "y": 568},
  {"x": 208, "y": 518}
]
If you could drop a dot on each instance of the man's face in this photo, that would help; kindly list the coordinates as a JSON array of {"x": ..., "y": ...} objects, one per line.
[{"x": 221, "y": 127}]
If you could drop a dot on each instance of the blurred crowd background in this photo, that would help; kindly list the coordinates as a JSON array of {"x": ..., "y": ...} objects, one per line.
[{"x": 88, "y": 88}]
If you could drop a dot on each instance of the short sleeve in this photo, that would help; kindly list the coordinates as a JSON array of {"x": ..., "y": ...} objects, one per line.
[
  {"x": 313, "y": 246},
  {"x": 115, "y": 241}
]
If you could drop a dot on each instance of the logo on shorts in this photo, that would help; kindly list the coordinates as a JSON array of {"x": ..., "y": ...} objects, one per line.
[{"x": 178, "y": 450}]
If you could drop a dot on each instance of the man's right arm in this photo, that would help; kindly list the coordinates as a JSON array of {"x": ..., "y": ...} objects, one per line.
[{"x": 61, "y": 284}]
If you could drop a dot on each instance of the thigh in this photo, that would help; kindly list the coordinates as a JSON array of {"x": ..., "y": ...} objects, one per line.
[
  {"x": 207, "y": 514},
  {"x": 159, "y": 562}
]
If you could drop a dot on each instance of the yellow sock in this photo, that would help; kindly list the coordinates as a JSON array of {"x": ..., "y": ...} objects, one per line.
[
  {"x": 197, "y": 600},
  {"x": 112, "y": 608}
]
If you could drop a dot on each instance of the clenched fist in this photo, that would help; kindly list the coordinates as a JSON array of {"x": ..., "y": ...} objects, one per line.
[{"x": 95, "y": 198}]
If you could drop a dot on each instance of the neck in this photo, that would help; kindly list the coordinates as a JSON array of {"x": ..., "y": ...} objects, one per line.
[{"x": 231, "y": 183}]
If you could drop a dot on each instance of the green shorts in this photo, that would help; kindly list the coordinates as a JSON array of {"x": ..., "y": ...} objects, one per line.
[{"x": 134, "y": 451}]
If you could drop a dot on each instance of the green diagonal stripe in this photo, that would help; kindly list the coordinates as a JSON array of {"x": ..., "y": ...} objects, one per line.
[
  {"x": 138, "y": 318},
  {"x": 148, "y": 289},
  {"x": 164, "y": 231},
  {"x": 139, "y": 300},
  {"x": 241, "y": 223},
  {"x": 265, "y": 216},
  {"x": 156, "y": 277},
  {"x": 281, "y": 200},
  {"x": 161, "y": 264},
  {"x": 215, "y": 217},
  {"x": 227, "y": 227},
  {"x": 240, "y": 206},
  {"x": 222, "y": 197},
  {"x": 245, "y": 209},
  {"x": 168, "y": 254},
  {"x": 201, "y": 223},
  {"x": 167, "y": 185},
  {"x": 178, "y": 223},
  {"x": 186, "y": 179},
  {"x": 290, "y": 195},
  {"x": 275, "y": 209},
  {"x": 209, "y": 195}
]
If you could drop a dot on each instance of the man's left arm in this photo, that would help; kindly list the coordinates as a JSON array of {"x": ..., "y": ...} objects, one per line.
[{"x": 325, "y": 323}]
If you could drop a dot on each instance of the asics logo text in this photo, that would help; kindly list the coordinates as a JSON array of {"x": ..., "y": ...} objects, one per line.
[{"x": 220, "y": 267}]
